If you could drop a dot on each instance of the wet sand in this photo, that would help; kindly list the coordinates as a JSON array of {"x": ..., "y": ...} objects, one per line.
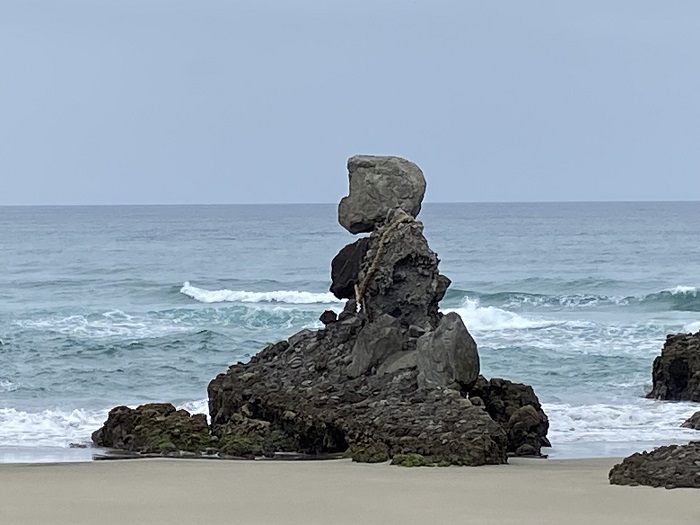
[{"x": 162, "y": 491}]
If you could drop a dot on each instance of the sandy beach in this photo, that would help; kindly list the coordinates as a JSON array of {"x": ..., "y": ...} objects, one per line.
[{"x": 332, "y": 492}]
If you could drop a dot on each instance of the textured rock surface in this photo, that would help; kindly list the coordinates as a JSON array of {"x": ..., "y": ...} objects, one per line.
[
  {"x": 375, "y": 342},
  {"x": 345, "y": 268},
  {"x": 377, "y": 185},
  {"x": 676, "y": 372},
  {"x": 376, "y": 416},
  {"x": 155, "y": 428},
  {"x": 388, "y": 376},
  {"x": 692, "y": 422},
  {"x": 447, "y": 356},
  {"x": 400, "y": 275},
  {"x": 671, "y": 467},
  {"x": 517, "y": 408}
]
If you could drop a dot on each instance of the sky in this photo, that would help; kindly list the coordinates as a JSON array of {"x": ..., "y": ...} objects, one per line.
[{"x": 262, "y": 101}]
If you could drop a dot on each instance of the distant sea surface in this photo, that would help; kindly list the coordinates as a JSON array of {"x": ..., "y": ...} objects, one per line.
[{"x": 103, "y": 306}]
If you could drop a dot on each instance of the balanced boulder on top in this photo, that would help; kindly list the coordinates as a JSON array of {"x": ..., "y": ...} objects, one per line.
[{"x": 378, "y": 185}]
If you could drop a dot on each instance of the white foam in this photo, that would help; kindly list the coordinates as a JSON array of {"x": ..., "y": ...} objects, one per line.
[
  {"x": 489, "y": 318},
  {"x": 60, "y": 428},
  {"x": 201, "y": 406},
  {"x": 107, "y": 325},
  {"x": 48, "y": 428},
  {"x": 684, "y": 290},
  {"x": 241, "y": 296},
  {"x": 647, "y": 420},
  {"x": 692, "y": 327},
  {"x": 8, "y": 386}
]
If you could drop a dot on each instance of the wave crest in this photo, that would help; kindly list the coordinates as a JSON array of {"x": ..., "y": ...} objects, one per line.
[
  {"x": 680, "y": 298},
  {"x": 487, "y": 318},
  {"x": 241, "y": 296}
]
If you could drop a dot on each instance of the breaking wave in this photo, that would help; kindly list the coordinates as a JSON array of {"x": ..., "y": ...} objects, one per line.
[
  {"x": 680, "y": 298},
  {"x": 60, "y": 428},
  {"x": 487, "y": 318},
  {"x": 646, "y": 421},
  {"x": 241, "y": 296}
]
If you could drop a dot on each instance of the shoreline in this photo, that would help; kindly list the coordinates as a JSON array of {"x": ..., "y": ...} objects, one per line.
[
  {"x": 177, "y": 491},
  {"x": 595, "y": 450}
]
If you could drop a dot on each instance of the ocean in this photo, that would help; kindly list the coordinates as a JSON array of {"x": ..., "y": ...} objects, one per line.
[{"x": 123, "y": 305}]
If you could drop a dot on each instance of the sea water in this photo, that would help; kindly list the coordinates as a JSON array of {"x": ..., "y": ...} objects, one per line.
[{"x": 104, "y": 306}]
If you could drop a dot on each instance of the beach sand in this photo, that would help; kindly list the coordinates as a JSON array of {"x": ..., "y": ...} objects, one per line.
[{"x": 163, "y": 491}]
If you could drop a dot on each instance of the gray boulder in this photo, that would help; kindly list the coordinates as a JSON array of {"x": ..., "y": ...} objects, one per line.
[
  {"x": 375, "y": 342},
  {"x": 378, "y": 185},
  {"x": 448, "y": 355}
]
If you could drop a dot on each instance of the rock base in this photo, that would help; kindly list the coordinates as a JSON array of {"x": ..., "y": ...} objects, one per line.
[{"x": 671, "y": 467}]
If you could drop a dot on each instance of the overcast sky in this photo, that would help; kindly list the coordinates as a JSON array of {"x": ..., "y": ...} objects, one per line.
[{"x": 171, "y": 101}]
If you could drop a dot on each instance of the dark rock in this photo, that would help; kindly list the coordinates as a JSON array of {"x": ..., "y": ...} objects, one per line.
[
  {"x": 692, "y": 422},
  {"x": 517, "y": 408},
  {"x": 375, "y": 342},
  {"x": 345, "y": 268},
  {"x": 378, "y": 185},
  {"x": 671, "y": 467},
  {"x": 676, "y": 372},
  {"x": 328, "y": 317},
  {"x": 155, "y": 428},
  {"x": 447, "y": 356},
  {"x": 246, "y": 437},
  {"x": 400, "y": 275}
]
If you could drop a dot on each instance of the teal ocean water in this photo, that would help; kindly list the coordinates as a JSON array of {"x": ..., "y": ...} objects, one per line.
[{"x": 102, "y": 306}]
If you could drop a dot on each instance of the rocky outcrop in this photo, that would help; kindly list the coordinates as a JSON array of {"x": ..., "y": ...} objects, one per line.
[
  {"x": 693, "y": 422},
  {"x": 517, "y": 408},
  {"x": 386, "y": 378},
  {"x": 676, "y": 372},
  {"x": 671, "y": 467},
  {"x": 156, "y": 428},
  {"x": 378, "y": 185}
]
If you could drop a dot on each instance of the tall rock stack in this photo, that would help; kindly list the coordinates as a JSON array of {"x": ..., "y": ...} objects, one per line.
[{"x": 390, "y": 376}]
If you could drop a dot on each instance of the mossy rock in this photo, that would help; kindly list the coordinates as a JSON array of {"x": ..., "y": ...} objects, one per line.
[
  {"x": 155, "y": 428},
  {"x": 411, "y": 460},
  {"x": 241, "y": 445},
  {"x": 368, "y": 454}
]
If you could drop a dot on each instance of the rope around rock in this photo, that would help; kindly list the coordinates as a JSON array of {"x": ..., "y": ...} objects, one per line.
[{"x": 361, "y": 289}]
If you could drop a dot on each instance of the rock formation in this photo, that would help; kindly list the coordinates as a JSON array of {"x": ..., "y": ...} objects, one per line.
[
  {"x": 517, "y": 408},
  {"x": 390, "y": 376},
  {"x": 670, "y": 467},
  {"x": 676, "y": 372},
  {"x": 692, "y": 422},
  {"x": 156, "y": 428}
]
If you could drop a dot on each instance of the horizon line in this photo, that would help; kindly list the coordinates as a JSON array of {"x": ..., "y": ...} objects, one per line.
[{"x": 335, "y": 203}]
